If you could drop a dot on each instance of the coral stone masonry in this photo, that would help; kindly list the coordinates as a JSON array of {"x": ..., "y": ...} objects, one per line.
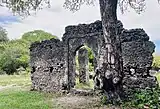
[{"x": 53, "y": 61}]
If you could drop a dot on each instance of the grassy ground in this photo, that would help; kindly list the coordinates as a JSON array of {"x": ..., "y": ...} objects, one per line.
[
  {"x": 15, "y": 80},
  {"x": 158, "y": 77},
  {"x": 19, "y": 99},
  {"x": 15, "y": 94}
]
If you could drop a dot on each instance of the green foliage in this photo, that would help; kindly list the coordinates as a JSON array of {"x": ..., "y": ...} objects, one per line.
[
  {"x": 91, "y": 58},
  {"x": 144, "y": 98},
  {"x": 140, "y": 99},
  {"x": 156, "y": 62},
  {"x": 12, "y": 59},
  {"x": 37, "y": 35},
  {"x": 3, "y": 35},
  {"x": 91, "y": 67},
  {"x": 15, "y": 53},
  {"x": 158, "y": 77},
  {"x": 103, "y": 100},
  {"x": 90, "y": 54},
  {"x": 2, "y": 72}
]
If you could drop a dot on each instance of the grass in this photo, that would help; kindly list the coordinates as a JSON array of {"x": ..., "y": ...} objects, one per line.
[
  {"x": 19, "y": 80},
  {"x": 85, "y": 86},
  {"x": 15, "y": 94},
  {"x": 18, "y": 96},
  {"x": 18, "y": 99},
  {"x": 158, "y": 77}
]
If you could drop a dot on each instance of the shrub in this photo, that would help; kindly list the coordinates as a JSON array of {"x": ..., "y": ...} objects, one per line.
[
  {"x": 10, "y": 66},
  {"x": 2, "y": 72},
  {"x": 141, "y": 99},
  {"x": 11, "y": 60}
]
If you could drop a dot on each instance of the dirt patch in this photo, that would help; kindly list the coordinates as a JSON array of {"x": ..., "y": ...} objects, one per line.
[
  {"x": 81, "y": 102},
  {"x": 78, "y": 102}
]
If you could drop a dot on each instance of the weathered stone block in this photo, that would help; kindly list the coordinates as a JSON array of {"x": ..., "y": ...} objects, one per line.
[
  {"x": 132, "y": 84},
  {"x": 138, "y": 53},
  {"x": 48, "y": 61}
]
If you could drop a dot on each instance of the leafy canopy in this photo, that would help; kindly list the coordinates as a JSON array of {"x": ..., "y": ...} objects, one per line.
[
  {"x": 15, "y": 53},
  {"x": 37, "y": 35},
  {"x": 25, "y": 7}
]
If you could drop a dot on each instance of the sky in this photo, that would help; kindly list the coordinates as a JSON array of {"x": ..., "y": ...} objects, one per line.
[{"x": 56, "y": 18}]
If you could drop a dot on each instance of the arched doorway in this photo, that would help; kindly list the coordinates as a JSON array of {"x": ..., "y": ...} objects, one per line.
[
  {"x": 74, "y": 43},
  {"x": 85, "y": 65}
]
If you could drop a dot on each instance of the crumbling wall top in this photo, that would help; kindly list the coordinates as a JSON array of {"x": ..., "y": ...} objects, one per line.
[
  {"x": 44, "y": 43},
  {"x": 137, "y": 34},
  {"x": 84, "y": 28}
]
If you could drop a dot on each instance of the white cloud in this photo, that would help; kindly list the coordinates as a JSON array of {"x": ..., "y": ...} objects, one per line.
[
  {"x": 4, "y": 11},
  {"x": 53, "y": 20},
  {"x": 149, "y": 20},
  {"x": 56, "y": 18}
]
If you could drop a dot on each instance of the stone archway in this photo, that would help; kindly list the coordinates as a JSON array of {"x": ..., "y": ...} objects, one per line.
[
  {"x": 53, "y": 61},
  {"x": 93, "y": 41}
]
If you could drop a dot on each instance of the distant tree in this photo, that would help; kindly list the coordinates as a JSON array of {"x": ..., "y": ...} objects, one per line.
[
  {"x": 15, "y": 53},
  {"x": 3, "y": 35},
  {"x": 37, "y": 35},
  {"x": 10, "y": 61}
]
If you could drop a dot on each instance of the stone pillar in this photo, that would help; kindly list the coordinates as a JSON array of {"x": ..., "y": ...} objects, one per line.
[{"x": 83, "y": 65}]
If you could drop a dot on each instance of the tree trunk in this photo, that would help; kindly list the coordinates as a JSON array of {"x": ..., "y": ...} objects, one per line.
[{"x": 111, "y": 65}]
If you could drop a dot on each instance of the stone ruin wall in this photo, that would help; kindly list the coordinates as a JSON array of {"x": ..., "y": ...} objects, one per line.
[
  {"x": 137, "y": 57},
  {"x": 134, "y": 41},
  {"x": 77, "y": 36},
  {"x": 49, "y": 59},
  {"x": 48, "y": 65},
  {"x": 136, "y": 48}
]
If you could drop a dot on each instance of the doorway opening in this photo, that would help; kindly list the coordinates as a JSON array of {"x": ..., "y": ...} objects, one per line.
[{"x": 84, "y": 68}]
